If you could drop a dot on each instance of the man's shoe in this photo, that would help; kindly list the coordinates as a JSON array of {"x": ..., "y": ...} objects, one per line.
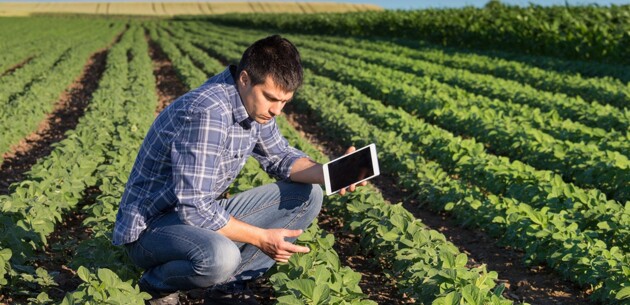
[
  {"x": 159, "y": 298},
  {"x": 169, "y": 299},
  {"x": 220, "y": 295}
]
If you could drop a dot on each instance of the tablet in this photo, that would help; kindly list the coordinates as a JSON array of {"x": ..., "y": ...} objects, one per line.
[{"x": 358, "y": 166}]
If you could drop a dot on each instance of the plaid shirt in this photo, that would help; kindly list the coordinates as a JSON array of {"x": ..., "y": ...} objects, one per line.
[{"x": 192, "y": 153}]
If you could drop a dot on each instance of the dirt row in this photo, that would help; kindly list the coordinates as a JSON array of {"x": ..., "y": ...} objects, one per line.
[
  {"x": 67, "y": 112},
  {"x": 17, "y": 66},
  {"x": 536, "y": 285}
]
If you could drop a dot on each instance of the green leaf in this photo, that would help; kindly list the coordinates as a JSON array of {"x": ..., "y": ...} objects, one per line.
[
  {"x": 108, "y": 277},
  {"x": 623, "y": 293},
  {"x": 5, "y": 254},
  {"x": 321, "y": 274},
  {"x": 321, "y": 293},
  {"x": 461, "y": 260},
  {"x": 289, "y": 300},
  {"x": 305, "y": 286},
  {"x": 84, "y": 274}
]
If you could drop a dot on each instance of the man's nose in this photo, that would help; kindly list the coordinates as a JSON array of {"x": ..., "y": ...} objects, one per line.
[{"x": 276, "y": 109}]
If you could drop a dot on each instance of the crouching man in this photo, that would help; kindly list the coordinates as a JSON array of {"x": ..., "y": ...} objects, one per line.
[{"x": 173, "y": 220}]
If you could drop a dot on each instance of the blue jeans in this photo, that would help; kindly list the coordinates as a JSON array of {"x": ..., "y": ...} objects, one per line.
[{"x": 177, "y": 256}]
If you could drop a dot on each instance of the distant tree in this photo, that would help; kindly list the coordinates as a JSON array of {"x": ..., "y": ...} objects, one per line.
[{"x": 494, "y": 4}]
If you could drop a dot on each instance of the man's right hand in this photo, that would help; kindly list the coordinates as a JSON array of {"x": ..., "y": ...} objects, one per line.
[
  {"x": 275, "y": 246},
  {"x": 269, "y": 241}
]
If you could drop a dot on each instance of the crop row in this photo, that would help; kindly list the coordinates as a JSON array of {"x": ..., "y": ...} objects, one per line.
[
  {"x": 19, "y": 81},
  {"x": 605, "y": 90},
  {"x": 56, "y": 184},
  {"x": 507, "y": 91},
  {"x": 607, "y": 72},
  {"x": 574, "y": 108},
  {"x": 101, "y": 265},
  {"x": 343, "y": 282},
  {"x": 417, "y": 255},
  {"x": 22, "y": 115},
  {"x": 32, "y": 37},
  {"x": 548, "y": 121},
  {"x": 426, "y": 266},
  {"x": 519, "y": 180},
  {"x": 584, "y": 259},
  {"x": 583, "y": 164},
  {"x": 543, "y": 236},
  {"x": 585, "y": 32}
]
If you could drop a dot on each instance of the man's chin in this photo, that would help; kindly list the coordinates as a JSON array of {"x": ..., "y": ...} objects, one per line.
[{"x": 263, "y": 120}]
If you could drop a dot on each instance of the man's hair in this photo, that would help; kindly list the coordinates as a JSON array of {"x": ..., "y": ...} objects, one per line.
[{"x": 276, "y": 57}]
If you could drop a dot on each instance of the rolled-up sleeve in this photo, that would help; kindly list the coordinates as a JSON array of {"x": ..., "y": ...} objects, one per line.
[
  {"x": 273, "y": 152},
  {"x": 196, "y": 156}
]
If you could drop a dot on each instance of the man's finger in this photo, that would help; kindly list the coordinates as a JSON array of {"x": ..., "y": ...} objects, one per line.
[
  {"x": 292, "y": 233},
  {"x": 295, "y": 248},
  {"x": 282, "y": 258},
  {"x": 350, "y": 149}
]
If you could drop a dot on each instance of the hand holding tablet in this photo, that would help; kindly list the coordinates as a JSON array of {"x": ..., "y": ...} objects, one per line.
[{"x": 353, "y": 168}]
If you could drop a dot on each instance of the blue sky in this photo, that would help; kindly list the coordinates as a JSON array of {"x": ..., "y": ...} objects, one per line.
[{"x": 393, "y": 4}]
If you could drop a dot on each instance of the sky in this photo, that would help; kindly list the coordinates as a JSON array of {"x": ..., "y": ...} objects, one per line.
[{"x": 392, "y": 4}]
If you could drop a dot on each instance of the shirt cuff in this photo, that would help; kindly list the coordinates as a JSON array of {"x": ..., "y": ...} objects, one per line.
[
  {"x": 290, "y": 161},
  {"x": 220, "y": 220}
]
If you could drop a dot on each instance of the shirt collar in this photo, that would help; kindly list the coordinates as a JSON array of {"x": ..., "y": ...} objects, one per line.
[{"x": 238, "y": 109}]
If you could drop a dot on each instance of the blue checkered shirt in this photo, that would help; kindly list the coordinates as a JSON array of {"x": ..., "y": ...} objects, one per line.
[{"x": 192, "y": 153}]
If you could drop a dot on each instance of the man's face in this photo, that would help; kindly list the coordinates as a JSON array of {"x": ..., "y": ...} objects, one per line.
[{"x": 263, "y": 101}]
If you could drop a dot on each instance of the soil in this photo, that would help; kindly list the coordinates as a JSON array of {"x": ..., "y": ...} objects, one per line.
[
  {"x": 532, "y": 284},
  {"x": 17, "y": 66},
  {"x": 66, "y": 114},
  {"x": 68, "y": 110},
  {"x": 169, "y": 86},
  {"x": 376, "y": 286}
]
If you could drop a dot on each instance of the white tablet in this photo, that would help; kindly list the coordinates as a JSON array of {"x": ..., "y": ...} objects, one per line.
[{"x": 358, "y": 166}]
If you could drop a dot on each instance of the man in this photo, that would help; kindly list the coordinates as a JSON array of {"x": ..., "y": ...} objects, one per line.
[{"x": 173, "y": 220}]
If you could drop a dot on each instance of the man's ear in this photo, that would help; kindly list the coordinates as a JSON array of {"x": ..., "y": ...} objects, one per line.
[{"x": 244, "y": 78}]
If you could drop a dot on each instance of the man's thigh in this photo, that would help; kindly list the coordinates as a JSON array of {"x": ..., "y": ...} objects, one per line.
[
  {"x": 266, "y": 205},
  {"x": 168, "y": 239}
]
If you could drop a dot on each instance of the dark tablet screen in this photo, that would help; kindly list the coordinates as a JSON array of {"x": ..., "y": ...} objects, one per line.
[{"x": 350, "y": 169}]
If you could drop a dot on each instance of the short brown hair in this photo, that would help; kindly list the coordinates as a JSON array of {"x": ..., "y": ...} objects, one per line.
[{"x": 273, "y": 56}]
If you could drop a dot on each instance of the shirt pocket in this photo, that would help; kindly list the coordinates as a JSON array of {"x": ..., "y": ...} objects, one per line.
[{"x": 238, "y": 146}]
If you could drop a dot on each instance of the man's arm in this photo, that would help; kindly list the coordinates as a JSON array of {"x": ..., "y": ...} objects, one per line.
[{"x": 304, "y": 170}]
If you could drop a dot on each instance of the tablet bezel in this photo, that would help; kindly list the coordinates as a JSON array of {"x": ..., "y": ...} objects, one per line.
[{"x": 375, "y": 168}]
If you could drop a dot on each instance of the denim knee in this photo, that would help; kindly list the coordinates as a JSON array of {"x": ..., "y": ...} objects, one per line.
[
  {"x": 220, "y": 261},
  {"x": 315, "y": 198}
]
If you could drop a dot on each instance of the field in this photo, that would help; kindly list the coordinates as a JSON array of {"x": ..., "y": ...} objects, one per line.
[
  {"x": 506, "y": 177},
  {"x": 167, "y": 9}
]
